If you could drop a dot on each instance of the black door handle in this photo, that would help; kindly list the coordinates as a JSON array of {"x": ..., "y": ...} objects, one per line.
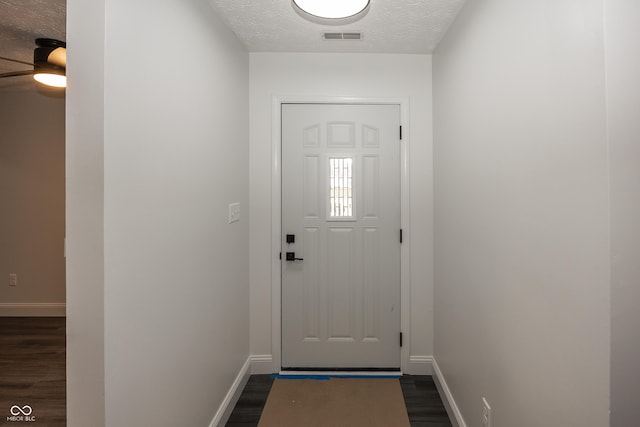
[{"x": 291, "y": 256}]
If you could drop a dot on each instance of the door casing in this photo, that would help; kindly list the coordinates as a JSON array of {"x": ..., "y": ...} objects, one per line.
[{"x": 276, "y": 200}]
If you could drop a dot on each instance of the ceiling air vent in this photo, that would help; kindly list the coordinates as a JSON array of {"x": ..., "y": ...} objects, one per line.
[{"x": 342, "y": 36}]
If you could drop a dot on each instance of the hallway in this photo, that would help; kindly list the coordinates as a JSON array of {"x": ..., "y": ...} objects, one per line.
[{"x": 424, "y": 406}]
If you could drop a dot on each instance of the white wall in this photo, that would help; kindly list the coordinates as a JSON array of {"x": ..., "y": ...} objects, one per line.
[
  {"x": 176, "y": 154},
  {"x": 521, "y": 220},
  {"x": 623, "y": 101},
  {"x": 176, "y": 282},
  {"x": 84, "y": 213},
  {"x": 32, "y": 193},
  {"x": 341, "y": 75}
]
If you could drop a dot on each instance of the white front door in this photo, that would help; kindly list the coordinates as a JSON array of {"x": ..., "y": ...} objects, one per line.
[{"x": 341, "y": 235}]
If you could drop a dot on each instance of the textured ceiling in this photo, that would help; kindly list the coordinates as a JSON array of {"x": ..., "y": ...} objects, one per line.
[
  {"x": 21, "y": 22},
  {"x": 391, "y": 26}
]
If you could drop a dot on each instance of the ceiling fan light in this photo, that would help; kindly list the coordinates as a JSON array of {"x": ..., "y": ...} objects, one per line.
[
  {"x": 50, "y": 61},
  {"x": 327, "y": 10},
  {"x": 58, "y": 57},
  {"x": 51, "y": 79}
]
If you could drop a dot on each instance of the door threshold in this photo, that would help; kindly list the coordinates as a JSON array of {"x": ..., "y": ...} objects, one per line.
[{"x": 351, "y": 374}]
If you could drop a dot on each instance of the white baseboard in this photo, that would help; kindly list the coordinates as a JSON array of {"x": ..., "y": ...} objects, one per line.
[
  {"x": 44, "y": 309},
  {"x": 261, "y": 364},
  {"x": 447, "y": 398},
  {"x": 420, "y": 365},
  {"x": 224, "y": 411}
]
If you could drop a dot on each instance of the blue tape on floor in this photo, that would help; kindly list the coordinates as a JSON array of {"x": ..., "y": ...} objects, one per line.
[{"x": 327, "y": 377}]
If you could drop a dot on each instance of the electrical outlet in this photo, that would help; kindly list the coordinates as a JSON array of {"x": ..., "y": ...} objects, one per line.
[
  {"x": 234, "y": 212},
  {"x": 486, "y": 413},
  {"x": 13, "y": 279}
]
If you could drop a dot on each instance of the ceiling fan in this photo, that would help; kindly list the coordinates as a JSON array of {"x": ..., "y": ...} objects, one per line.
[{"x": 49, "y": 63}]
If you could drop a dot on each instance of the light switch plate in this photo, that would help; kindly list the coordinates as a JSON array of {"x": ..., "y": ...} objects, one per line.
[{"x": 234, "y": 212}]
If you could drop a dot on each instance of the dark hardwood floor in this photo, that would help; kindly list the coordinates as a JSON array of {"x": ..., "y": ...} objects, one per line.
[
  {"x": 32, "y": 369},
  {"x": 424, "y": 406},
  {"x": 32, "y": 372},
  {"x": 421, "y": 397}
]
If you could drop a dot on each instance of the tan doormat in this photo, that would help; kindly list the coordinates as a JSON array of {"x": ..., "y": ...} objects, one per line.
[{"x": 335, "y": 402}]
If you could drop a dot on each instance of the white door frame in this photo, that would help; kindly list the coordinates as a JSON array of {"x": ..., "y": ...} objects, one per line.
[{"x": 276, "y": 224}]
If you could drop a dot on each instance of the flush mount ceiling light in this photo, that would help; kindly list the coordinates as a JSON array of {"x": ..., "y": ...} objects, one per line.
[{"x": 331, "y": 12}]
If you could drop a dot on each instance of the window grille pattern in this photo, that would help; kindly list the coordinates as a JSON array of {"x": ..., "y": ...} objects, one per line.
[{"x": 341, "y": 187}]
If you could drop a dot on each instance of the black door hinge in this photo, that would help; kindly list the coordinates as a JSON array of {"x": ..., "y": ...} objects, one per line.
[
  {"x": 280, "y": 255},
  {"x": 401, "y": 235},
  {"x": 400, "y": 132},
  {"x": 400, "y": 339}
]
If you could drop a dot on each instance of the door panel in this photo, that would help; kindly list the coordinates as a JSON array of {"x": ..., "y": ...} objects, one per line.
[{"x": 341, "y": 200}]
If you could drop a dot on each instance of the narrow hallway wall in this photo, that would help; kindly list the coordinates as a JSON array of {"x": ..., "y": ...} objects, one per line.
[
  {"x": 160, "y": 283},
  {"x": 623, "y": 103},
  {"x": 521, "y": 213}
]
